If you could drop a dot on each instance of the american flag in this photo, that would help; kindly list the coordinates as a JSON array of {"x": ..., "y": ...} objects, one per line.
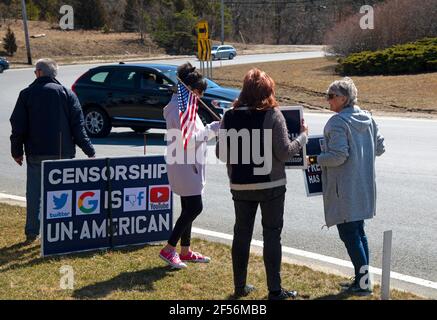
[{"x": 188, "y": 104}]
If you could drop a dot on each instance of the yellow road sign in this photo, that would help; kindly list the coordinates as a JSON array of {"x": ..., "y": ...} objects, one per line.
[
  {"x": 204, "y": 49},
  {"x": 202, "y": 30}
]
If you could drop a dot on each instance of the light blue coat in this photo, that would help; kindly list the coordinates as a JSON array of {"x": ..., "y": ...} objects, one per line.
[{"x": 351, "y": 143}]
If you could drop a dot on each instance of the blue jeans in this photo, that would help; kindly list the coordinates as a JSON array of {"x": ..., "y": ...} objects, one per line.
[
  {"x": 355, "y": 240},
  {"x": 33, "y": 197}
]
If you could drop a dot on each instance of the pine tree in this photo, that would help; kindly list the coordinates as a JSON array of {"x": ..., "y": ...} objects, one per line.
[{"x": 10, "y": 42}]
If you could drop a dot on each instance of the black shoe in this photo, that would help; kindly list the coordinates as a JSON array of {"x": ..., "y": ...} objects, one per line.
[
  {"x": 31, "y": 238},
  {"x": 356, "y": 290},
  {"x": 282, "y": 295},
  {"x": 243, "y": 291}
]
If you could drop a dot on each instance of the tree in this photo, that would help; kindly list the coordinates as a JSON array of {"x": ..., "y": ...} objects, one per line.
[
  {"x": 130, "y": 17},
  {"x": 176, "y": 34},
  {"x": 33, "y": 11},
  {"x": 90, "y": 14},
  {"x": 10, "y": 42},
  {"x": 135, "y": 18}
]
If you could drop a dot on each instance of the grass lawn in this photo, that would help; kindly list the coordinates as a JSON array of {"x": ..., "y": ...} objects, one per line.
[
  {"x": 305, "y": 82},
  {"x": 138, "y": 273}
]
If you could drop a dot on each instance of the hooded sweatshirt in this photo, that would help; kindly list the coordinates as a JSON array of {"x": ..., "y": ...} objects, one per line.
[
  {"x": 186, "y": 168},
  {"x": 352, "y": 142}
]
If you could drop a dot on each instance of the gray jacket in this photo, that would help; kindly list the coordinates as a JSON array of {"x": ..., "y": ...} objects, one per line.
[{"x": 352, "y": 142}]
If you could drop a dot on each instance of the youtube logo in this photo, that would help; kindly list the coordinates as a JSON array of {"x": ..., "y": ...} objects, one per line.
[{"x": 159, "y": 198}]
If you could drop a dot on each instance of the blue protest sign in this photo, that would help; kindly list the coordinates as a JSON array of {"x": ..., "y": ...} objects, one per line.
[
  {"x": 293, "y": 117},
  {"x": 103, "y": 203},
  {"x": 313, "y": 174}
]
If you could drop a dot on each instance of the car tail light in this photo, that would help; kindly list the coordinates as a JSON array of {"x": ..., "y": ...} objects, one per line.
[{"x": 73, "y": 87}]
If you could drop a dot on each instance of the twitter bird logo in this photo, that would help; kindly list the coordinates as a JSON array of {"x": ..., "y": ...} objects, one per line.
[{"x": 61, "y": 201}]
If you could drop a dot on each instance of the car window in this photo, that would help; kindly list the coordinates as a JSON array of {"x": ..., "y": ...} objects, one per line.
[
  {"x": 100, "y": 77},
  {"x": 148, "y": 81},
  {"x": 124, "y": 79},
  {"x": 171, "y": 74}
]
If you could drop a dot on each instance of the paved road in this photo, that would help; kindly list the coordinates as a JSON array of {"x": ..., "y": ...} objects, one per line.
[{"x": 407, "y": 184}]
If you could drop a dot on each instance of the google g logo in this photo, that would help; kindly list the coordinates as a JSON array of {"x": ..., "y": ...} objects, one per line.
[{"x": 88, "y": 202}]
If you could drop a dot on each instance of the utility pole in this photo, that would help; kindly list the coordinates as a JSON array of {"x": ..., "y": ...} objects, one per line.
[
  {"x": 26, "y": 31},
  {"x": 223, "y": 21}
]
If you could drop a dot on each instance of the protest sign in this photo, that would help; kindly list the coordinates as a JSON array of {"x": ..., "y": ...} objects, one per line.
[{"x": 104, "y": 203}]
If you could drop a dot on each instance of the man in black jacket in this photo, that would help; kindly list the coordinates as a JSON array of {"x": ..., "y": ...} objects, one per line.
[{"x": 47, "y": 124}]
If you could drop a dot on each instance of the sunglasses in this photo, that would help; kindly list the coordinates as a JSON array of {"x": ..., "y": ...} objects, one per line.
[{"x": 330, "y": 96}]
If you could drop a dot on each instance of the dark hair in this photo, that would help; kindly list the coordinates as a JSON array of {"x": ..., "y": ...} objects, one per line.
[
  {"x": 191, "y": 77},
  {"x": 258, "y": 91}
]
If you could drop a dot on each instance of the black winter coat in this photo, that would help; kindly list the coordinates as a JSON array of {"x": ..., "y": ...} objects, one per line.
[{"x": 48, "y": 122}]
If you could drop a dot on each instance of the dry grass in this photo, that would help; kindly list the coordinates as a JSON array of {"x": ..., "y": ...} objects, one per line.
[
  {"x": 137, "y": 272},
  {"x": 83, "y": 46},
  {"x": 306, "y": 81},
  {"x": 74, "y": 46}
]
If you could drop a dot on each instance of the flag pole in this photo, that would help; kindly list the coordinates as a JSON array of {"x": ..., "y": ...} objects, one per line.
[{"x": 203, "y": 103}]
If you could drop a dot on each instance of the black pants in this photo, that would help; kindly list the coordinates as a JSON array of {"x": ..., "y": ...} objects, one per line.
[
  {"x": 191, "y": 208},
  {"x": 272, "y": 211}
]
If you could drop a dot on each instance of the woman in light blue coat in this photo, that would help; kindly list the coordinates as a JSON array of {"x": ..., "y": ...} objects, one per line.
[{"x": 351, "y": 143}]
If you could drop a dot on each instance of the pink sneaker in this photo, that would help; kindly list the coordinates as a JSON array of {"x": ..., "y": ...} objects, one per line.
[
  {"x": 195, "y": 257},
  {"x": 172, "y": 258}
]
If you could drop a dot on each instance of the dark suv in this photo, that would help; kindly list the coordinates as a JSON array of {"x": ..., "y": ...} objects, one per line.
[
  {"x": 4, "y": 64},
  {"x": 134, "y": 95}
]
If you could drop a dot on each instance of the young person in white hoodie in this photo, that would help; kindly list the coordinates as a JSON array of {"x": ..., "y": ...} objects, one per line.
[{"x": 187, "y": 179}]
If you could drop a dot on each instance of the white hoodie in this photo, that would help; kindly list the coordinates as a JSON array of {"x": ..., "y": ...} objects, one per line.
[{"x": 187, "y": 178}]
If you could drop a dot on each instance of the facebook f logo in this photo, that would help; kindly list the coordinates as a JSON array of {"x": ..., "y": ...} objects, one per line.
[
  {"x": 134, "y": 199},
  {"x": 140, "y": 198}
]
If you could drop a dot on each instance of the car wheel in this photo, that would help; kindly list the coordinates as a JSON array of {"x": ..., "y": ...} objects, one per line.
[
  {"x": 231, "y": 56},
  {"x": 213, "y": 57},
  {"x": 205, "y": 117},
  {"x": 139, "y": 129},
  {"x": 1, "y": 69},
  {"x": 97, "y": 123}
]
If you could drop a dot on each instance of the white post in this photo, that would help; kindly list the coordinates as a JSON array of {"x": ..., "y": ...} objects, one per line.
[{"x": 386, "y": 260}]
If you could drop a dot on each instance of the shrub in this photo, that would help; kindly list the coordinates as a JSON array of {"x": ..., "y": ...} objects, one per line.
[
  {"x": 10, "y": 42},
  {"x": 415, "y": 57}
]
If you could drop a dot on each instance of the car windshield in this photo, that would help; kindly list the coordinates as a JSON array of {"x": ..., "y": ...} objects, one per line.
[
  {"x": 214, "y": 48},
  {"x": 171, "y": 74}
]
